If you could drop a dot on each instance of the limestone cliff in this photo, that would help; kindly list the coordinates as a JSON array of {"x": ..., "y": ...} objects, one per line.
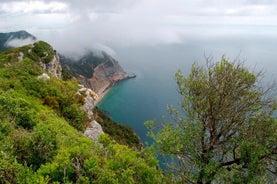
[
  {"x": 96, "y": 72},
  {"x": 93, "y": 129},
  {"x": 54, "y": 66}
]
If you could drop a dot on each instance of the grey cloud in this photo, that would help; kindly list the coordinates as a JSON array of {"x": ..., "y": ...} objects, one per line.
[
  {"x": 32, "y": 7},
  {"x": 91, "y": 23},
  {"x": 19, "y": 42},
  {"x": 261, "y": 1},
  {"x": 101, "y": 5}
]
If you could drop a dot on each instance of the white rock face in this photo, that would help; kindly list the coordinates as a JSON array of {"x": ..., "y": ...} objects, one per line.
[
  {"x": 54, "y": 67},
  {"x": 89, "y": 100},
  {"x": 21, "y": 56},
  {"x": 90, "y": 97},
  {"x": 88, "y": 106},
  {"x": 44, "y": 76},
  {"x": 93, "y": 131}
]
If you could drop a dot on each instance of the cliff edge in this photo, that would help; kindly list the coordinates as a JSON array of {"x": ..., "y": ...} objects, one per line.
[{"x": 96, "y": 72}]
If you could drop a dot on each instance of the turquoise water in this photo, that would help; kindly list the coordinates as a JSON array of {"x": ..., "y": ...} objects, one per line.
[
  {"x": 134, "y": 101},
  {"x": 146, "y": 97}
]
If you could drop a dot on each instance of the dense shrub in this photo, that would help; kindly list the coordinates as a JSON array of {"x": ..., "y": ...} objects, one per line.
[
  {"x": 42, "y": 51},
  {"x": 121, "y": 133}
]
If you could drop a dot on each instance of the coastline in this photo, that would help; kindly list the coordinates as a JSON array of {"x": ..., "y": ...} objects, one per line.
[
  {"x": 106, "y": 89},
  {"x": 102, "y": 95}
]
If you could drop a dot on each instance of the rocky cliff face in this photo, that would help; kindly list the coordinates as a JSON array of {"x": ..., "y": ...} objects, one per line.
[
  {"x": 94, "y": 129},
  {"x": 54, "y": 66},
  {"x": 105, "y": 75},
  {"x": 89, "y": 98},
  {"x": 96, "y": 72}
]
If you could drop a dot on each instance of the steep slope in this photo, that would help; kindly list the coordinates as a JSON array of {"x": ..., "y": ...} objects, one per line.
[
  {"x": 82, "y": 69},
  {"x": 96, "y": 72},
  {"x": 41, "y": 124},
  {"x": 5, "y": 38}
]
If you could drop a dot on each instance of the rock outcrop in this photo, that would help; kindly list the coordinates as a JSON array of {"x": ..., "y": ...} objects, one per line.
[
  {"x": 44, "y": 77},
  {"x": 54, "y": 67},
  {"x": 96, "y": 72},
  {"x": 93, "y": 131},
  {"x": 105, "y": 75},
  {"x": 89, "y": 96}
]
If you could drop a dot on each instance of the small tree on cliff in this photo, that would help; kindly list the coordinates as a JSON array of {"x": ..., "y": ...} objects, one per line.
[{"x": 226, "y": 133}]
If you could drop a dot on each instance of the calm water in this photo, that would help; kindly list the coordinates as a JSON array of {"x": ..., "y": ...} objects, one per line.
[{"x": 146, "y": 97}]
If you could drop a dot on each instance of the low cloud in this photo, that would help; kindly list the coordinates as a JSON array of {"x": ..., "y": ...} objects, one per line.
[
  {"x": 18, "y": 42},
  {"x": 76, "y": 53},
  {"x": 73, "y": 26}
]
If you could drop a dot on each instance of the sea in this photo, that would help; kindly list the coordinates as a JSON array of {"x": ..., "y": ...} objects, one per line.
[{"x": 146, "y": 97}]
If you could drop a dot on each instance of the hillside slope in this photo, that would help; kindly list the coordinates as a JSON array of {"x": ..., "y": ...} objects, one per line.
[{"x": 41, "y": 129}]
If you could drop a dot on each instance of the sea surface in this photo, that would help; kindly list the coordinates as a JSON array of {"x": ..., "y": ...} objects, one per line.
[{"x": 134, "y": 101}]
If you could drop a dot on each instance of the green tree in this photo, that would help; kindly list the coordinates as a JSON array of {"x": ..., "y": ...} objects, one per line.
[{"x": 226, "y": 132}]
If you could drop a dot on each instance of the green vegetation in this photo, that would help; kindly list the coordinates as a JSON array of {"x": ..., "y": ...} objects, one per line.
[
  {"x": 120, "y": 133},
  {"x": 41, "y": 132},
  {"x": 227, "y": 134},
  {"x": 66, "y": 75},
  {"x": 42, "y": 51}
]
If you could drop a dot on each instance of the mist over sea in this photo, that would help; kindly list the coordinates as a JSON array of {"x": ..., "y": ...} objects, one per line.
[{"x": 146, "y": 97}]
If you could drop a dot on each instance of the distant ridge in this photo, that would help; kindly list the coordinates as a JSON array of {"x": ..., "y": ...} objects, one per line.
[{"x": 19, "y": 35}]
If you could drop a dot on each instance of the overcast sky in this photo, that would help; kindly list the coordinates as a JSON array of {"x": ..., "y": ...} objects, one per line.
[{"x": 103, "y": 23}]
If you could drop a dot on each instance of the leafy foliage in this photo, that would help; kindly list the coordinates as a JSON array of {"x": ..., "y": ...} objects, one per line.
[
  {"x": 42, "y": 51},
  {"x": 227, "y": 133},
  {"x": 120, "y": 133}
]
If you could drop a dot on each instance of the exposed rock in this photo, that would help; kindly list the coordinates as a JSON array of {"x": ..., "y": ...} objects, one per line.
[
  {"x": 105, "y": 75},
  {"x": 90, "y": 97},
  {"x": 21, "y": 56},
  {"x": 95, "y": 72},
  {"x": 93, "y": 131},
  {"x": 54, "y": 67},
  {"x": 44, "y": 76}
]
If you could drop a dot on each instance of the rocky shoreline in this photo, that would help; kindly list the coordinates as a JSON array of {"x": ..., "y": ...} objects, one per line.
[
  {"x": 94, "y": 127},
  {"x": 106, "y": 89}
]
